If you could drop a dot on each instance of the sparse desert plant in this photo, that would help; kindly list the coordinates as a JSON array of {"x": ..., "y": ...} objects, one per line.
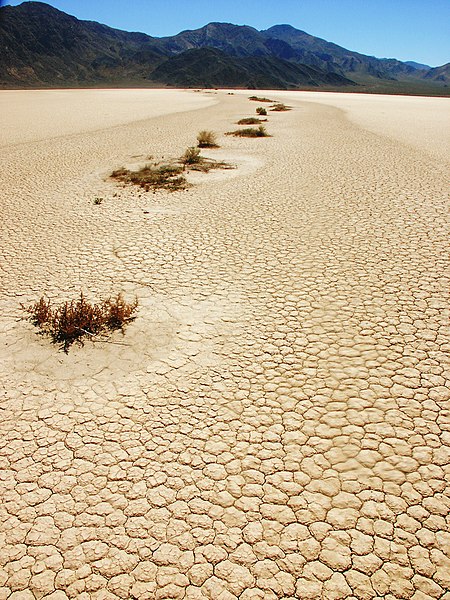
[
  {"x": 191, "y": 156},
  {"x": 250, "y": 132},
  {"x": 280, "y": 107},
  {"x": 207, "y": 139},
  {"x": 98, "y": 201},
  {"x": 203, "y": 164},
  {"x": 154, "y": 177},
  {"x": 72, "y": 321},
  {"x": 261, "y": 111},
  {"x": 259, "y": 99},
  {"x": 250, "y": 121}
]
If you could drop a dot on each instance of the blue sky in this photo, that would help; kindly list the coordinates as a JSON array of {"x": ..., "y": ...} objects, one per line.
[{"x": 404, "y": 29}]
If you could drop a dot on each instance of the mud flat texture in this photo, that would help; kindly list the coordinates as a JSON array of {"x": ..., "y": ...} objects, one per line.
[{"x": 275, "y": 422}]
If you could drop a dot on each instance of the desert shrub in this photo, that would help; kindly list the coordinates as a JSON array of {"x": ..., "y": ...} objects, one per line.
[
  {"x": 154, "y": 177},
  {"x": 259, "y": 99},
  {"x": 207, "y": 164},
  {"x": 261, "y": 111},
  {"x": 250, "y": 121},
  {"x": 98, "y": 201},
  {"x": 251, "y": 132},
  {"x": 207, "y": 139},
  {"x": 191, "y": 156},
  {"x": 280, "y": 107},
  {"x": 72, "y": 321}
]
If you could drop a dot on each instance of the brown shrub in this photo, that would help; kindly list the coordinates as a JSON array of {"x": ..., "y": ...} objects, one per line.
[
  {"x": 250, "y": 121},
  {"x": 259, "y": 99},
  {"x": 280, "y": 107},
  {"x": 191, "y": 156},
  {"x": 72, "y": 321},
  {"x": 251, "y": 132},
  {"x": 261, "y": 111},
  {"x": 207, "y": 139},
  {"x": 154, "y": 177}
]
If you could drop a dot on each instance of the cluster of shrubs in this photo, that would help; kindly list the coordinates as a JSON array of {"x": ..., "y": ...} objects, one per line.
[
  {"x": 72, "y": 321},
  {"x": 154, "y": 177}
]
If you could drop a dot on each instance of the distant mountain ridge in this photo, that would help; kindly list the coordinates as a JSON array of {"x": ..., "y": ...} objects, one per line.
[{"x": 41, "y": 46}]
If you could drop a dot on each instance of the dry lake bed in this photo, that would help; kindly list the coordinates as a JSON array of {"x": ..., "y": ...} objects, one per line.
[{"x": 275, "y": 423}]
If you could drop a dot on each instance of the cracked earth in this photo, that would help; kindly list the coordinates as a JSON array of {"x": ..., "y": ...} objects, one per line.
[{"x": 275, "y": 424}]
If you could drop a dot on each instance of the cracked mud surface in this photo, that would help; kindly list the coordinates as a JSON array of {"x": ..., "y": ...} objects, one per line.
[{"x": 275, "y": 423}]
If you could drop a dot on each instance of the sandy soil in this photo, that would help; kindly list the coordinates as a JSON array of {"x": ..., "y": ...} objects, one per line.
[{"x": 275, "y": 423}]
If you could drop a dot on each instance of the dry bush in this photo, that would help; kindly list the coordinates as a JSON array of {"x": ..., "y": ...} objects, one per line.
[
  {"x": 259, "y": 99},
  {"x": 261, "y": 111},
  {"x": 250, "y": 121},
  {"x": 72, "y": 321},
  {"x": 154, "y": 177},
  {"x": 191, "y": 156},
  {"x": 207, "y": 139},
  {"x": 280, "y": 107},
  {"x": 250, "y": 132},
  {"x": 192, "y": 160}
]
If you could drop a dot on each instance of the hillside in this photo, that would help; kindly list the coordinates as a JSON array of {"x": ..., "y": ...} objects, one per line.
[{"x": 206, "y": 67}]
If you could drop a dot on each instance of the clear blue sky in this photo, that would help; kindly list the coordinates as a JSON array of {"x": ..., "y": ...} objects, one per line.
[{"x": 404, "y": 29}]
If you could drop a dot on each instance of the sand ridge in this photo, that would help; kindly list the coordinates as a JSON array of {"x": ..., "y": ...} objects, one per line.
[{"x": 275, "y": 422}]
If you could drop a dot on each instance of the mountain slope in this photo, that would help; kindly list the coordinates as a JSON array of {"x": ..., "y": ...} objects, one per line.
[
  {"x": 417, "y": 65},
  {"x": 326, "y": 55},
  {"x": 234, "y": 40},
  {"x": 441, "y": 74},
  {"x": 42, "y": 45},
  {"x": 208, "y": 67}
]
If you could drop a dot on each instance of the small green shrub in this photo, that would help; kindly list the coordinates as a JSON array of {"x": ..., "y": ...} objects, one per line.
[
  {"x": 261, "y": 111},
  {"x": 98, "y": 201},
  {"x": 207, "y": 139},
  {"x": 250, "y": 132},
  {"x": 72, "y": 321}
]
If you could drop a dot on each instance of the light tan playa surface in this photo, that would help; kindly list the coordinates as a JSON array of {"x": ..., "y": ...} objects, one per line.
[{"x": 275, "y": 423}]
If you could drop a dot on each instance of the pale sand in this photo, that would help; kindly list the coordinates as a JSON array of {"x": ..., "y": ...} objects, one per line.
[{"x": 275, "y": 423}]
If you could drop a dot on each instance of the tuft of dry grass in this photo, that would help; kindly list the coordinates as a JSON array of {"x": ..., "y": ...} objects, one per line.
[
  {"x": 259, "y": 99},
  {"x": 250, "y": 121},
  {"x": 191, "y": 156},
  {"x": 72, "y": 321},
  {"x": 261, "y": 111},
  {"x": 154, "y": 177},
  {"x": 207, "y": 139},
  {"x": 250, "y": 132},
  {"x": 280, "y": 107}
]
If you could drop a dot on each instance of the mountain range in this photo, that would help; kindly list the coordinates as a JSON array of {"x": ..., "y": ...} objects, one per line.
[{"x": 41, "y": 46}]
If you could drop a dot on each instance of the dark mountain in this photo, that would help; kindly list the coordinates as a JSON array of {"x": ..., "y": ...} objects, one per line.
[
  {"x": 208, "y": 67},
  {"x": 41, "y": 46},
  {"x": 331, "y": 57},
  {"x": 416, "y": 65},
  {"x": 235, "y": 40},
  {"x": 441, "y": 74}
]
